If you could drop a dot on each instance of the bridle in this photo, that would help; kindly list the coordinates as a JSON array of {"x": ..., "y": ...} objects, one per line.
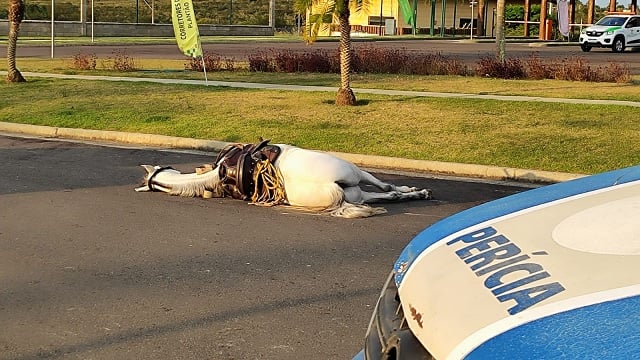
[{"x": 158, "y": 170}]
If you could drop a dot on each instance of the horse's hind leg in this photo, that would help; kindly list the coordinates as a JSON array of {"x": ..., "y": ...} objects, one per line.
[
  {"x": 355, "y": 195},
  {"x": 367, "y": 178}
]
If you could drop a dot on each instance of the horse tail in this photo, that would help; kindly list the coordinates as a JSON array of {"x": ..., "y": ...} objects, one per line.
[{"x": 351, "y": 211}]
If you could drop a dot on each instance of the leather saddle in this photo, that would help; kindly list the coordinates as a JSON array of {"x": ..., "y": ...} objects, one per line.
[{"x": 237, "y": 164}]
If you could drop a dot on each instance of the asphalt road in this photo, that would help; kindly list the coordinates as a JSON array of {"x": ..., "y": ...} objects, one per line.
[
  {"x": 90, "y": 269},
  {"x": 469, "y": 52}
]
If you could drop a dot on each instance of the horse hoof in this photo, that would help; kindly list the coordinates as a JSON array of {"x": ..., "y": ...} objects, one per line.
[{"x": 426, "y": 194}]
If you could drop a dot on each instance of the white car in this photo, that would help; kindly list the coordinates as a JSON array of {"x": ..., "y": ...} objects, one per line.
[
  {"x": 549, "y": 273},
  {"x": 612, "y": 31}
]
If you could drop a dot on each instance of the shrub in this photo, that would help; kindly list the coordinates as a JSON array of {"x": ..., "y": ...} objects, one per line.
[
  {"x": 390, "y": 61},
  {"x": 120, "y": 62},
  {"x": 507, "y": 69},
  {"x": 82, "y": 61},
  {"x": 536, "y": 69},
  {"x": 211, "y": 62},
  {"x": 365, "y": 60},
  {"x": 381, "y": 61},
  {"x": 573, "y": 69},
  {"x": 614, "y": 72},
  {"x": 375, "y": 60},
  {"x": 229, "y": 64},
  {"x": 579, "y": 69},
  {"x": 290, "y": 62},
  {"x": 260, "y": 62}
]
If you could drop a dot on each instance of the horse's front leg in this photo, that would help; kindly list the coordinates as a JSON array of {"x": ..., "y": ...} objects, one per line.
[{"x": 367, "y": 178}]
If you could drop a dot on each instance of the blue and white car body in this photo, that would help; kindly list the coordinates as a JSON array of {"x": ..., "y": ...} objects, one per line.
[{"x": 548, "y": 273}]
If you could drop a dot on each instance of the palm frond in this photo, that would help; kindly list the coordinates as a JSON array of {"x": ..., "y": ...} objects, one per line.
[
  {"x": 302, "y": 6},
  {"x": 320, "y": 16},
  {"x": 361, "y": 5}
]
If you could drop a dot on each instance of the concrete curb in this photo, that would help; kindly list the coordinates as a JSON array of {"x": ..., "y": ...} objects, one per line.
[
  {"x": 172, "y": 142},
  {"x": 368, "y": 161}
]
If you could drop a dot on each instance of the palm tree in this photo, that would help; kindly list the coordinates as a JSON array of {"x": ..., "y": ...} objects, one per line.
[
  {"x": 500, "y": 37},
  {"x": 321, "y": 14},
  {"x": 480, "y": 26},
  {"x": 16, "y": 14}
]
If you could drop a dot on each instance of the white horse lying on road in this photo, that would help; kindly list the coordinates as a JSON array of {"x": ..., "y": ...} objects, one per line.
[{"x": 283, "y": 174}]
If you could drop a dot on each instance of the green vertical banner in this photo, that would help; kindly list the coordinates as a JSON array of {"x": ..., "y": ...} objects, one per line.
[
  {"x": 185, "y": 28},
  {"x": 407, "y": 12}
]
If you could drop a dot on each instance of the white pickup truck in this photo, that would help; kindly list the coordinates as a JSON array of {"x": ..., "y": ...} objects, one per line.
[{"x": 618, "y": 31}]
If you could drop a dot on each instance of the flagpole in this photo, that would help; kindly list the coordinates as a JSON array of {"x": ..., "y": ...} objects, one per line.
[{"x": 204, "y": 68}]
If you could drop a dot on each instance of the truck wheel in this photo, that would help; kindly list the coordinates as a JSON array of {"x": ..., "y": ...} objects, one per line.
[
  {"x": 585, "y": 47},
  {"x": 618, "y": 44}
]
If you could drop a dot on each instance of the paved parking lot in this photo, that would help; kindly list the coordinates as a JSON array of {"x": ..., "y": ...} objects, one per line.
[{"x": 91, "y": 269}]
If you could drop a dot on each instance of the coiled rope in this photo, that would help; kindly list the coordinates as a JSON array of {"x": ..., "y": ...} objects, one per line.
[{"x": 268, "y": 185}]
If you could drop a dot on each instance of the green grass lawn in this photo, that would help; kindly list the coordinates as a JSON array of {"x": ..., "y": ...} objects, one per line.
[{"x": 530, "y": 135}]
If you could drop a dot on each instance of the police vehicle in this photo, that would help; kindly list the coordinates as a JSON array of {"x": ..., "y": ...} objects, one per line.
[
  {"x": 616, "y": 31},
  {"x": 549, "y": 273}
]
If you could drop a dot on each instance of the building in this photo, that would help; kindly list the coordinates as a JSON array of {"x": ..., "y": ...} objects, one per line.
[{"x": 452, "y": 17}]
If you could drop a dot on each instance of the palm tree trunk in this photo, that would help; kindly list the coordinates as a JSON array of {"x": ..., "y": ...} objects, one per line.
[
  {"x": 500, "y": 38},
  {"x": 480, "y": 26},
  {"x": 16, "y": 14},
  {"x": 345, "y": 94}
]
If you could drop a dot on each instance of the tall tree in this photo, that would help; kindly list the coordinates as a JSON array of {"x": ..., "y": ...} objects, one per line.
[
  {"x": 500, "y": 37},
  {"x": 320, "y": 15},
  {"x": 481, "y": 10},
  {"x": 16, "y": 14}
]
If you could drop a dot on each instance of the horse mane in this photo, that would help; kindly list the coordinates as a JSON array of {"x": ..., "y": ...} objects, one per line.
[
  {"x": 197, "y": 189},
  {"x": 189, "y": 185}
]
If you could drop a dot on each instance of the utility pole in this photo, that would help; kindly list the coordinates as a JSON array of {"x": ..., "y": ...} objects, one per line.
[
  {"x": 472, "y": 3},
  {"x": 83, "y": 17},
  {"x": 500, "y": 40},
  {"x": 53, "y": 36},
  {"x": 272, "y": 14}
]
